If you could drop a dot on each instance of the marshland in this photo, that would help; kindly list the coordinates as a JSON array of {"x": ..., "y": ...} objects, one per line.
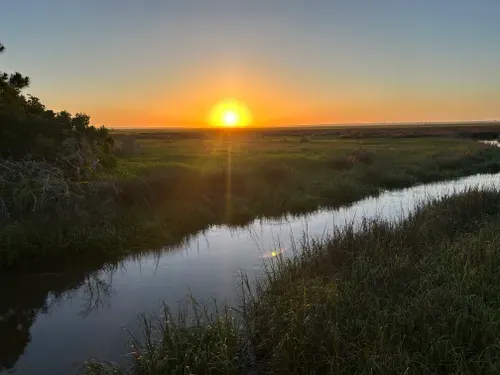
[
  {"x": 318, "y": 248},
  {"x": 249, "y": 188}
]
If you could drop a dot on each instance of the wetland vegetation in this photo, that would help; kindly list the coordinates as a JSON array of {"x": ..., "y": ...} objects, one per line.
[
  {"x": 417, "y": 296},
  {"x": 177, "y": 187}
]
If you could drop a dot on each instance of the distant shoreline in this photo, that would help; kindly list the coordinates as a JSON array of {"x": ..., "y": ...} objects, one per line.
[{"x": 351, "y": 125}]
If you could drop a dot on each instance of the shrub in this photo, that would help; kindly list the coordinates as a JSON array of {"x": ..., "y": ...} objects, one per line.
[{"x": 28, "y": 129}]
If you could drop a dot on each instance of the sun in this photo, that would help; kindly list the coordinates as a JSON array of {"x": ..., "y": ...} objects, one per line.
[
  {"x": 230, "y": 118},
  {"x": 230, "y": 113}
]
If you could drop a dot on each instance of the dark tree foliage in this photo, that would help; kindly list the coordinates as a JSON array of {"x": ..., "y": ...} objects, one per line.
[{"x": 28, "y": 129}]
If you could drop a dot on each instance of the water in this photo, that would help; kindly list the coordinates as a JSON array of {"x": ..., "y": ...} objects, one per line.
[
  {"x": 49, "y": 322},
  {"x": 491, "y": 143}
]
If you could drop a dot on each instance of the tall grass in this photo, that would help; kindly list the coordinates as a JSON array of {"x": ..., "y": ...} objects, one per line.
[
  {"x": 415, "y": 297},
  {"x": 29, "y": 185},
  {"x": 181, "y": 187},
  {"x": 194, "y": 341}
]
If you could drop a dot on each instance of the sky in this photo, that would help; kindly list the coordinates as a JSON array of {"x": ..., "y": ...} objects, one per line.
[{"x": 168, "y": 62}]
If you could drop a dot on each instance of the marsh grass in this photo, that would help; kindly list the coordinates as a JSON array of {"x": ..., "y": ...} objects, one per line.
[
  {"x": 30, "y": 185},
  {"x": 416, "y": 296},
  {"x": 178, "y": 187},
  {"x": 194, "y": 341}
]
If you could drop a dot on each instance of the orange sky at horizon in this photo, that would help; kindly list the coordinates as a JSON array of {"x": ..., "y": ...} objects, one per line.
[
  {"x": 167, "y": 63},
  {"x": 277, "y": 102},
  {"x": 268, "y": 99},
  {"x": 296, "y": 111}
]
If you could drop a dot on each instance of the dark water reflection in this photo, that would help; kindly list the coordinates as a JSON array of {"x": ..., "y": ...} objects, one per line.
[
  {"x": 51, "y": 320},
  {"x": 25, "y": 299}
]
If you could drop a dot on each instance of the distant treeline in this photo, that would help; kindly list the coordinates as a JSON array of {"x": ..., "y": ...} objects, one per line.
[{"x": 473, "y": 131}]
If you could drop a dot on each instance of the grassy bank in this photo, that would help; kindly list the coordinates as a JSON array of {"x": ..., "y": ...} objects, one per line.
[
  {"x": 174, "y": 188},
  {"x": 416, "y": 297}
]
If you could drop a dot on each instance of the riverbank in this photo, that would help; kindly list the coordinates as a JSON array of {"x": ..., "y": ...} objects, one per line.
[
  {"x": 175, "y": 188},
  {"x": 416, "y": 296}
]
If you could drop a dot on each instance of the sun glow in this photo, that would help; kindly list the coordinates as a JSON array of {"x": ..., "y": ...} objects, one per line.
[
  {"x": 230, "y": 113},
  {"x": 230, "y": 118}
]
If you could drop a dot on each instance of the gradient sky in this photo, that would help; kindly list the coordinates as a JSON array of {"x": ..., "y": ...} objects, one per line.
[{"x": 167, "y": 62}]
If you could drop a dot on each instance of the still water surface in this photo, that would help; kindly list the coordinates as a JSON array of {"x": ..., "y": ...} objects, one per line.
[{"x": 50, "y": 322}]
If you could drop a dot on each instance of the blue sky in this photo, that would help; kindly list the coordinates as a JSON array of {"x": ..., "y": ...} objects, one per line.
[{"x": 155, "y": 62}]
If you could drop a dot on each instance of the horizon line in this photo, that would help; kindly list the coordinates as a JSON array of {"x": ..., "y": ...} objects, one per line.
[{"x": 194, "y": 127}]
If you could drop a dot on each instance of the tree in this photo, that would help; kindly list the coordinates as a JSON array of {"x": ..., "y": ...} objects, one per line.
[
  {"x": 29, "y": 129},
  {"x": 14, "y": 81}
]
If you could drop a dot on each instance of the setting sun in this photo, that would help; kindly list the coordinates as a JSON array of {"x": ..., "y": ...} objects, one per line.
[
  {"x": 230, "y": 113},
  {"x": 230, "y": 118}
]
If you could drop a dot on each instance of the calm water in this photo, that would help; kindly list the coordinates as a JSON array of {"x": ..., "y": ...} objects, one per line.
[
  {"x": 49, "y": 322},
  {"x": 491, "y": 143}
]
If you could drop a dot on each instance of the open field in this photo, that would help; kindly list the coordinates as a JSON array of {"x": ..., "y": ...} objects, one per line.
[
  {"x": 419, "y": 296},
  {"x": 176, "y": 187},
  {"x": 477, "y": 130}
]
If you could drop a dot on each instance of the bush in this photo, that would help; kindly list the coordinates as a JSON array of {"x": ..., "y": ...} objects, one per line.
[
  {"x": 28, "y": 185},
  {"x": 46, "y": 158},
  {"x": 28, "y": 129}
]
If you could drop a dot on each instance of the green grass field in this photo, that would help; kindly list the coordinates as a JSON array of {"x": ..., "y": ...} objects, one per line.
[
  {"x": 417, "y": 297},
  {"x": 176, "y": 187},
  {"x": 246, "y": 154}
]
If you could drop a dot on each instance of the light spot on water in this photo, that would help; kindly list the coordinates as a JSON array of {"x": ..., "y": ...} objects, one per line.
[{"x": 273, "y": 253}]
